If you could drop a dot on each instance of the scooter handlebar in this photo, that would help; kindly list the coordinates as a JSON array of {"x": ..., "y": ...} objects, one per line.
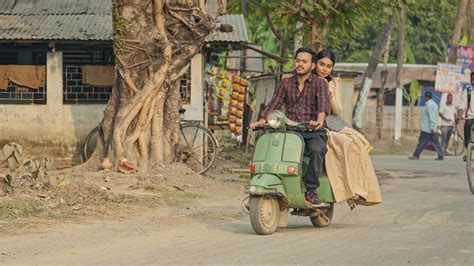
[
  {"x": 263, "y": 127},
  {"x": 306, "y": 127}
]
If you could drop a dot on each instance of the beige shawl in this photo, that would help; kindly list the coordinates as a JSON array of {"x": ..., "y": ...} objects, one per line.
[{"x": 349, "y": 167}]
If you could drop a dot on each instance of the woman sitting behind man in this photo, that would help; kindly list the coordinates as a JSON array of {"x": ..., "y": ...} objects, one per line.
[{"x": 348, "y": 164}]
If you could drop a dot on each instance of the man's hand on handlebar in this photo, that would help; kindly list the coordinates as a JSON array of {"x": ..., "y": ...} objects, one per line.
[
  {"x": 259, "y": 123},
  {"x": 316, "y": 124}
]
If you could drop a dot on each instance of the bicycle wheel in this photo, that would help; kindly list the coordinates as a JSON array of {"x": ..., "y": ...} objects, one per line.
[
  {"x": 197, "y": 147},
  {"x": 470, "y": 167},
  {"x": 90, "y": 143},
  {"x": 456, "y": 144}
]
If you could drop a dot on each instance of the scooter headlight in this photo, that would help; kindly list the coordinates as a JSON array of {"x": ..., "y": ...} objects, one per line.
[{"x": 275, "y": 119}]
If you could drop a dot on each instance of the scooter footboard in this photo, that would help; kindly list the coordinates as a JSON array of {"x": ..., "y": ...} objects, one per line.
[{"x": 264, "y": 184}]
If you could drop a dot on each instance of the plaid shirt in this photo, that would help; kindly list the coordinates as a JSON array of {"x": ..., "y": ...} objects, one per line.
[{"x": 301, "y": 106}]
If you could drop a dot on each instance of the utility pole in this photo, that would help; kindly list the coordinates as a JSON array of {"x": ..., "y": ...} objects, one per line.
[{"x": 399, "y": 92}]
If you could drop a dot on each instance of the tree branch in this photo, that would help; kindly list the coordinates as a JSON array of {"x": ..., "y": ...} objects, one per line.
[{"x": 278, "y": 34}]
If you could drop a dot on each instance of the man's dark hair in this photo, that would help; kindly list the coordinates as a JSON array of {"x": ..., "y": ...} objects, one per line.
[
  {"x": 305, "y": 50},
  {"x": 428, "y": 95}
]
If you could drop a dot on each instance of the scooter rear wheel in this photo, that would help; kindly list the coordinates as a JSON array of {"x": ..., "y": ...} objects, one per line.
[
  {"x": 264, "y": 213},
  {"x": 324, "y": 219}
]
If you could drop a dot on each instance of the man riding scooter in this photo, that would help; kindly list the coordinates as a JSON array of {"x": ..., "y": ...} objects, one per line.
[{"x": 306, "y": 98}]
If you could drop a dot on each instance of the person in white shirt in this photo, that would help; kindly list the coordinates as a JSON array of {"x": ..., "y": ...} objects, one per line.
[
  {"x": 447, "y": 113},
  {"x": 465, "y": 108}
]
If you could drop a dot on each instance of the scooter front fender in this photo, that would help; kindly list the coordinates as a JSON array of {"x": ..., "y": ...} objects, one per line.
[{"x": 265, "y": 184}]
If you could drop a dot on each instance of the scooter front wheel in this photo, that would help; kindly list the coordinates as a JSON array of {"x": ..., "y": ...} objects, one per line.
[
  {"x": 264, "y": 213},
  {"x": 323, "y": 217}
]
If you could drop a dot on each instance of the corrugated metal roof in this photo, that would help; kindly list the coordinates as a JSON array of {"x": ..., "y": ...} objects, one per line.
[
  {"x": 81, "y": 20},
  {"x": 56, "y": 27},
  {"x": 55, "y": 7},
  {"x": 410, "y": 72},
  {"x": 239, "y": 33}
]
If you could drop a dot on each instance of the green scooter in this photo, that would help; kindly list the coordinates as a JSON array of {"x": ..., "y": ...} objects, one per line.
[{"x": 276, "y": 184}]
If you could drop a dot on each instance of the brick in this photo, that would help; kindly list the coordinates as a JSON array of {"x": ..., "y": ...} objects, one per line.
[
  {"x": 76, "y": 89},
  {"x": 71, "y": 96},
  {"x": 93, "y": 96},
  {"x": 104, "y": 96},
  {"x": 82, "y": 96},
  {"x": 27, "y": 96},
  {"x": 38, "y": 96}
]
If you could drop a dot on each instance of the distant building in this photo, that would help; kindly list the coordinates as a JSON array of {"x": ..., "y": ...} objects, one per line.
[
  {"x": 57, "y": 70},
  {"x": 424, "y": 74}
]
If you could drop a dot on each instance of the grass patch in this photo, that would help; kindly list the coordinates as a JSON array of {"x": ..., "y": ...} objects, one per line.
[
  {"x": 76, "y": 200},
  {"x": 19, "y": 208}
]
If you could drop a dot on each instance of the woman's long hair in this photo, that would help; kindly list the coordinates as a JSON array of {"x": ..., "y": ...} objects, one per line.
[{"x": 324, "y": 54}]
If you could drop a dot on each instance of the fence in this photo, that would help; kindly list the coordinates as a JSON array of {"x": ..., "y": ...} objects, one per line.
[{"x": 370, "y": 126}]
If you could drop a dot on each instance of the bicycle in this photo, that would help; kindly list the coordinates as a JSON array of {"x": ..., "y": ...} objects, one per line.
[
  {"x": 456, "y": 141},
  {"x": 196, "y": 148},
  {"x": 201, "y": 157}
]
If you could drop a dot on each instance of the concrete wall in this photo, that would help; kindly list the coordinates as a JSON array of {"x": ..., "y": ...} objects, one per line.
[
  {"x": 347, "y": 92},
  {"x": 54, "y": 122},
  {"x": 195, "y": 110}
]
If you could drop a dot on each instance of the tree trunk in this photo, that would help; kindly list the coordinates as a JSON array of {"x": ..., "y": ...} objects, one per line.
[
  {"x": 456, "y": 38},
  {"x": 154, "y": 42},
  {"x": 367, "y": 79},
  {"x": 298, "y": 36},
  {"x": 381, "y": 95},
  {"x": 317, "y": 38},
  {"x": 470, "y": 17},
  {"x": 314, "y": 35}
]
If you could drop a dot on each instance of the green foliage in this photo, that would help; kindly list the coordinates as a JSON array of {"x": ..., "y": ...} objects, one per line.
[
  {"x": 342, "y": 17},
  {"x": 428, "y": 28},
  {"x": 353, "y": 31},
  {"x": 119, "y": 24},
  {"x": 414, "y": 94},
  {"x": 23, "y": 172}
]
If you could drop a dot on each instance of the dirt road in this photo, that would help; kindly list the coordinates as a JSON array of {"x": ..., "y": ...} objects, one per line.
[{"x": 423, "y": 220}]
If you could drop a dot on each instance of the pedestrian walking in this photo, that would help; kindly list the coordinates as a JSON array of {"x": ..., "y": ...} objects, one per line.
[
  {"x": 429, "y": 123},
  {"x": 447, "y": 113}
]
